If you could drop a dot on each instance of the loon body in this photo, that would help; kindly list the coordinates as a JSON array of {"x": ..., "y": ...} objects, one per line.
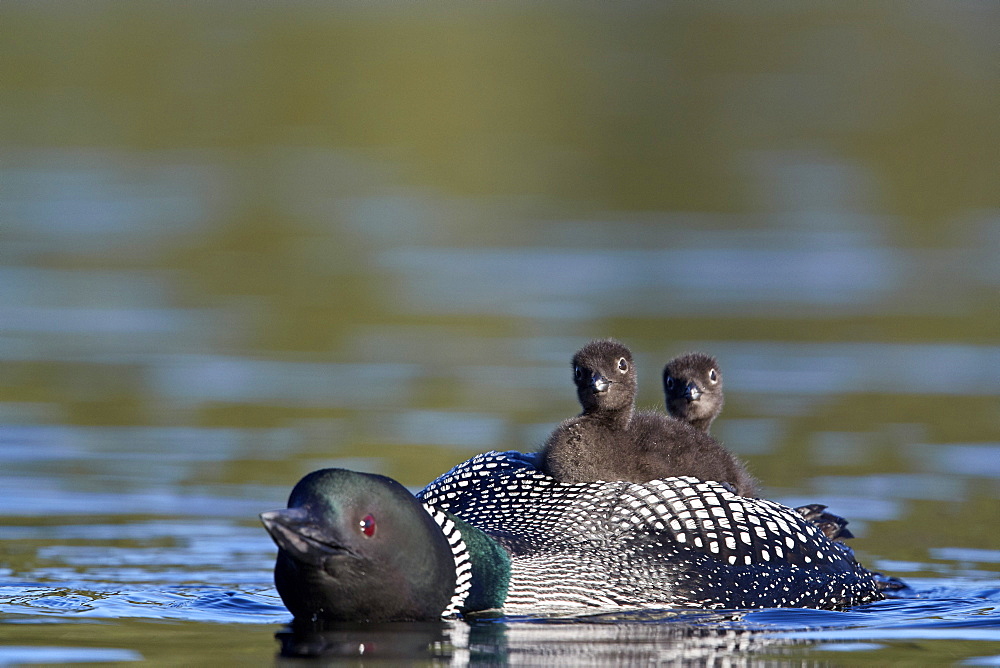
[
  {"x": 674, "y": 542},
  {"x": 496, "y": 533}
]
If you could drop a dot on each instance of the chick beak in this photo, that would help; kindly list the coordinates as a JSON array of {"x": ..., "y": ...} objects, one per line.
[
  {"x": 600, "y": 383},
  {"x": 692, "y": 392}
]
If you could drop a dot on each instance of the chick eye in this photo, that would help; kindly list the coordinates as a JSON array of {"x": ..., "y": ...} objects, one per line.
[
  {"x": 367, "y": 525},
  {"x": 670, "y": 382},
  {"x": 577, "y": 372},
  {"x": 712, "y": 376},
  {"x": 622, "y": 364}
]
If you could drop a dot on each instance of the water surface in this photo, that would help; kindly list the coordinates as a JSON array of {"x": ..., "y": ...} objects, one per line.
[{"x": 238, "y": 244}]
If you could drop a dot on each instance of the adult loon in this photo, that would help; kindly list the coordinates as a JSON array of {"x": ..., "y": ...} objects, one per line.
[
  {"x": 496, "y": 533},
  {"x": 610, "y": 440}
]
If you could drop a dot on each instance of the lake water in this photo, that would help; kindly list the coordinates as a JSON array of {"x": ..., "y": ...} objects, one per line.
[{"x": 240, "y": 243}]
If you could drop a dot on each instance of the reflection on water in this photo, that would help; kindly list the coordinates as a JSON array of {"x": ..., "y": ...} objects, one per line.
[
  {"x": 239, "y": 246},
  {"x": 605, "y": 639},
  {"x": 395, "y": 640},
  {"x": 12, "y": 654},
  {"x": 641, "y": 637},
  {"x": 602, "y": 282},
  {"x": 204, "y": 379}
]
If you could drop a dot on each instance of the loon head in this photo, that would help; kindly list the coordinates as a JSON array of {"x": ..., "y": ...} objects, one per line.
[
  {"x": 605, "y": 377},
  {"x": 359, "y": 547},
  {"x": 692, "y": 384}
]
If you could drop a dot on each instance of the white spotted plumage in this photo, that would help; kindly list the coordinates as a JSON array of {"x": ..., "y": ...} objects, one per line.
[{"x": 671, "y": 542}]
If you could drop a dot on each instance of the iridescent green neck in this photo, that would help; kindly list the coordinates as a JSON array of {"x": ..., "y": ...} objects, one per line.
[{"x": 490, "y": 570}]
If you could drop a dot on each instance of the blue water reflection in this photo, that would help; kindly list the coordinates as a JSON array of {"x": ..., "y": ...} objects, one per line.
[
  {"x": 28, "y": 654},
  {"x": 973, "y": 459},
  {"x": 655, "y": 283},
  {"x": 193, "y": 379}
]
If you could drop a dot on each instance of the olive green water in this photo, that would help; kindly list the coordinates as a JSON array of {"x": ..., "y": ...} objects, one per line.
[{"x": 239, "y": 242}]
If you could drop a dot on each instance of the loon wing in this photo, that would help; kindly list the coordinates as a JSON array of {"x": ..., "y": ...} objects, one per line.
[{"x": 676, "y": 541}]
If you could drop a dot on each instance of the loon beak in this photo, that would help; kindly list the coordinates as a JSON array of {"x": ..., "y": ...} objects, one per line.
[
  {"x": 294, "y": 531},
  {"x": 600, "y": 383},
  {"x": 692, "y": 392}
]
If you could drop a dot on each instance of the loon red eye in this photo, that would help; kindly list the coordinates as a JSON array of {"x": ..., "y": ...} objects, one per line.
[{"x": 367, "y": 525}]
